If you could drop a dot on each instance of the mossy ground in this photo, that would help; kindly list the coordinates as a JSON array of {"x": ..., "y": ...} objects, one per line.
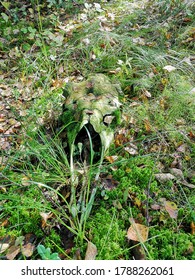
[{"x": 44, "y": 45}]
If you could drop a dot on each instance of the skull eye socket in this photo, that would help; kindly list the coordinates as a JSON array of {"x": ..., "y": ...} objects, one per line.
[{"x": 107, "y": 120}]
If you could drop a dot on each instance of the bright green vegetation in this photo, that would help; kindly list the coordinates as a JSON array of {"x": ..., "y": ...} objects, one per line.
[{"x": 150, "y": 52}]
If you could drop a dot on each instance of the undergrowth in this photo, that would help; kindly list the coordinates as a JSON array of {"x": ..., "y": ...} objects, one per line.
[{"x": 44, "y": 45}]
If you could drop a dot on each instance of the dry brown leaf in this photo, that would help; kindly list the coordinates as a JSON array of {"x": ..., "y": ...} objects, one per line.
[
  {"x": 131, "y": 149},
  {"x": 4, "y": 247},
  {"x": 191, "y": 135},
  {"x": 109, "y": 183},
  {"x": 171, "y": 208},
  {"x": 4, "y": 223},
  {"x": 164, "y": 177},
  {"x": 138, "y": 232},
  {"x": 13, "y": 251},
  {"x": 91, "y": 251},
  {"x": 134, "y": 104},
  {"x": 162, "y": 103},
  {"x": 28, "y": 249},
  {"x": 182, "y": 148},
  {"x": 29, "y": 238},
  {"x": 147, "y": 93},
  {"x": 147, "y": 125},
  {"x": 121, "y": 138},
  {"x": 138, "y": 251},
  {"x": 155, "y": 207},
  {"x": 25, "y": 181},
  {"x": 192, "y": 225},
  {"x": 45, "y": 217},
  {"x": 185, "y": 183},
  {"x": 137, "y": 202},
  {"x": 19, "y": 240},
  {"x": 177, "y": 173},
  {"x": 111, "y": 159}
]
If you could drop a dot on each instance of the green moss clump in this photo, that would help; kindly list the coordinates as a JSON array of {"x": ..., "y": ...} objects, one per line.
[{"x": 108, "y": 234}]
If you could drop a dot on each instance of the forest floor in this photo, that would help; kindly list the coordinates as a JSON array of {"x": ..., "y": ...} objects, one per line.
[{"x": 144, "y": 204}]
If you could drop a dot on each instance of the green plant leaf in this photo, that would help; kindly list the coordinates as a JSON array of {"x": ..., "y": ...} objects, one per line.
[
  {"x": 45, "y": 253},
  {"x": 54, "y": 256},
  {"x": 6, "y": 5},
  {"x": 5, "y": 17}
]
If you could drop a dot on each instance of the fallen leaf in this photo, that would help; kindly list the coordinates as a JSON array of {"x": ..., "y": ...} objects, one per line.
[
  {"x": 13, "y": 251},
  {"x": 164, "y": 177},
  {"x": 109, "y": 183},
  {"x": 180, "y": 122},
  {"x": 4, "y": 247},
  {"x": 45, "y": 217},
  {"x": 177, "y": 173},
  {"x": 147, "y": 93},
  {"x": 77, "y": 255},
  {"x": 177, "y": 162},
  {"x": 169, "y": 68},
  {"x": 25, "y": 181},
  {"x": 191, "y": 135},
  {"x": 132, "y": 149},
  {"x": 171, "y": 208},
  {"x": 111, "y": 159},
  {"x": 148, "y": 126},
  {"x": 116, "y": 71},
  {"x": 137, "y": 232},
  {"x": 192, "y": 225},
  {"x": 5, "y": 223},
  {"x": 29, "y": 238},
  {"x": 155, "y": 207},
  {"x": 139, "y": 41},
  {"x": 137, "y": 202},
  {"x": 138, "y": 251},
  {"x": 91, "y": 251},
  {"x": 19, "y": 241},
  {"x": 134, "y": 104},
  {"x": 185, "y": 183},
  {"x": 28, "y": 249},
  {"x": 182, "y": 148}
]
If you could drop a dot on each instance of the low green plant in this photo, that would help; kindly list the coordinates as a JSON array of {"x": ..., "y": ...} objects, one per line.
[
  {"x": 107, "y": 230},
  {"x": 46, "y": 254},
  {"x": 42, "y": 167},
  {"x": 133, "y": 49},
  {"x": 170, "y": 245}
]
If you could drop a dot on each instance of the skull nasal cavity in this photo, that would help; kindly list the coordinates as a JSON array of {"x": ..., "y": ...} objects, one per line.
[{"x": 89, "y": 112}]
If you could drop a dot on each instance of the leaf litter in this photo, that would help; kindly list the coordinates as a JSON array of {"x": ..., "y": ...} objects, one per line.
[{"x": 21, "y": 100}]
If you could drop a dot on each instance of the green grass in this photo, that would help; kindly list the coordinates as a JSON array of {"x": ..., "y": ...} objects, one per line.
[{"x": 39, "y": 55}]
